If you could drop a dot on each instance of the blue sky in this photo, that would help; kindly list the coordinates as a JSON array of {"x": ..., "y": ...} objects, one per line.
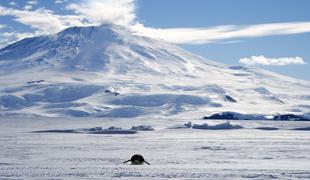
[{"x": 272, "y": 34}]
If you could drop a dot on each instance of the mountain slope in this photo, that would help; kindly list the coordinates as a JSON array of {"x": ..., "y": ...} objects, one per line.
[{"x": 107, "y": 71}]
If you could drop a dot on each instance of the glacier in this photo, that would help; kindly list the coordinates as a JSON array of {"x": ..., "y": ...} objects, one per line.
[{"x": 110, "y": 71}]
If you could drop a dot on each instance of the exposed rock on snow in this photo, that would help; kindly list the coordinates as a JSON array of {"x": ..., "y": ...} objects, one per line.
[
  {"x": 267, "y": 128},
  {"x": 290, "y": 117},
  {"x": 230, "y": 99},
  {"x": 110, "y": 92},
  {"x": 36, "y": 82},
  {"x": 96, "y": 130},
  {"x": 182, "y": 126},
  {"x": 222, "y": 126},
  {"x": 212, "y": 148},
  {"x": 239, "y": 116},
  {"x": 302, "y": 129},
  {"x": 223, "y": 115},
  {"x": 235, "y": 116},
  {"x": 112, "y": 130},
  {"x": 142, "y": 128},
  {"x": 57, "y": 131}
]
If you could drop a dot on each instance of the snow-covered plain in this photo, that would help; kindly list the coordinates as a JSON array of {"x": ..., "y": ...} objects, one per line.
[{"x": 183, "y": 153}]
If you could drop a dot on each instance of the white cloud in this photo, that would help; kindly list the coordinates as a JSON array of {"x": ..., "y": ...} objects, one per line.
[
  {"x": 12, "y": 3},
  {"x": 9, "y": 37},
  {"x": 219, "y": 33},
  {"x": 32, "y": 2},
  {"x": 4, "y": 41},
  {"x": 120, "y": 12},
  {"x": 28, "y": 7},
  {"x": 58, "y": 1},
  {"x": 88, "y": 12},
  {"x": 7, "y": 34},
  {"x": 2, "y": 26},
  {"x": 42, "y": 19},
  {"x": 262, "y": 60}
]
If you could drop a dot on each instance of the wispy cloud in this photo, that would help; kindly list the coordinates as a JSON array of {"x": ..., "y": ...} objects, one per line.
[
  {"x": 262, "y": 60},
  {"x": 33, "y": 2},
  {"x": 219, "y": 33}
]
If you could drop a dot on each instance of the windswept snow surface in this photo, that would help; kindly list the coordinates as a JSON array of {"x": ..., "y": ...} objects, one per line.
[
  {"x": 173, "y": 153},
  {"x": 107, "y": 71}
]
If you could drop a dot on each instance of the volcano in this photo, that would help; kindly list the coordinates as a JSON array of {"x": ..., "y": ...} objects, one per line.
[{"x": 110, "y": 71}]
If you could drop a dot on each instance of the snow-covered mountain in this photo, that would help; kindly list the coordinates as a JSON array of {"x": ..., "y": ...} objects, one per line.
[{"x": 109, "y": 71}]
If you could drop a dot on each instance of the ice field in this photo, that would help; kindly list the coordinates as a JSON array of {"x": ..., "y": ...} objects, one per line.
[{"x": 184, "y": 153}]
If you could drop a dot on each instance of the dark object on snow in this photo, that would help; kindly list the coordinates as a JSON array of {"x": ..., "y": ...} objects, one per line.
[
  {"x": 302, "y": 129},
  {"x": 142, "y": 128},
  {"x": 224, "y": 115},
  {"x": 137, "y": 159},
  {"x": 267, "y": 128},
  {"x": 289, "y": 117},
  {"x": 229, "y": 98},
  {"x": 56, "y": 131},
  {"x": 36, "y": 82},
  {"x": 110, "y": 92}
]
